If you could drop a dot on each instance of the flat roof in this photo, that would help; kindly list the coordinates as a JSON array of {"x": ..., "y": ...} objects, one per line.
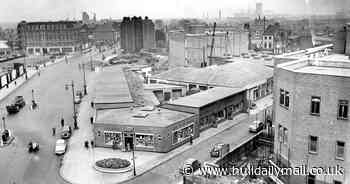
[
  {"x": 334, "y": 65},
  {"x": 206, "y": 97},
  {"x": 237, "y": 74},
  {"x": 155, "y": 118},
  {"x": 160, "y": 86},
  {"x": 111, "y": 86}
]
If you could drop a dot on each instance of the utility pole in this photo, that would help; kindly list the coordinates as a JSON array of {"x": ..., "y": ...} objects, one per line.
[
  {"x": 85, "y": 90},
  {"x": 3, "y": 123}
]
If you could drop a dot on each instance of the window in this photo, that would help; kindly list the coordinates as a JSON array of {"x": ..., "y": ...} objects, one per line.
[
  {"x": 111, "y": 137},
  {"x": 270, "y": 45},
  {"x": 315, "y": 105},
  {"x": 311, "y": 179},
  {"x": 182, "y": 134},
  {"x": 313, "y": 144},
  {"x": 284, "y": 98},
  {"x": 285, "y": 135},
  {"x": 270, "y": 37},
  {"x": 343, "y": 109},
  {"x": 340, "y": 150},
  {"x": 144, "y": 140},
  {"x": 336, "y": 182}
]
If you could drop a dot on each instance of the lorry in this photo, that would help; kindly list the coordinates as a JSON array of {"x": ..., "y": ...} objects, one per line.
[{"x": 219, "y": 150}]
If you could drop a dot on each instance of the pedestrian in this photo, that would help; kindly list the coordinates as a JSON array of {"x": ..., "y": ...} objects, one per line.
[
  {"x": 92, "y": 104},
  {"x": 191, "y": 140},
  {"x": 53, "y": 131},
  {"x": 91, "y": 120},
  {"x": 62, "y": 122},
  {"x": 70, "y": 130},
  {"x": 92, "y": 143},
  {"x": 15, "y": 82}
]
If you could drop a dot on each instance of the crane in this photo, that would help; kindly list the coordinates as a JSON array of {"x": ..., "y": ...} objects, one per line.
[{"x": 212, "y": 45}]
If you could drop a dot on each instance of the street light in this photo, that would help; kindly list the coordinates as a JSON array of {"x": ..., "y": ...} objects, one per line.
[
  {"x": 74, "y": 110},
  {"x": 85, "y": 90}
]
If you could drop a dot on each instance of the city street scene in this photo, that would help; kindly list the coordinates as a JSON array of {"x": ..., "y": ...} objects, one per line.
[{"x": 174, "y": 92}]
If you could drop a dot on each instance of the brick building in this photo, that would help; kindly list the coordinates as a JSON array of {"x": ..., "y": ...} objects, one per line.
[
  {"x": 50, "y": 37},
  {"x": 311, "y": 92}
]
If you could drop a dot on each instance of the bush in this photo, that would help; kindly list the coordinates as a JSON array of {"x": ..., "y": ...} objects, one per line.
[{"x": 113, "y": 163}]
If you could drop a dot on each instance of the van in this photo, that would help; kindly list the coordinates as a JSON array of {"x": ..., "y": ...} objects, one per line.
[
  {"x": 219, "y": 150},
  {"x": 191, "y": 164}
]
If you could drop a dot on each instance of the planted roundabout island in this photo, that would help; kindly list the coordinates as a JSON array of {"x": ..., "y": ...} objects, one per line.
[{"x": 113, "y": 165}]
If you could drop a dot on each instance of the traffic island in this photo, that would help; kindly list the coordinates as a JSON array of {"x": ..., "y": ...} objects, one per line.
[{"x": 113, "y": 165}]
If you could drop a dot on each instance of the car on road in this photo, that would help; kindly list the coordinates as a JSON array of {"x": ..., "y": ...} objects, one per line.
[
  {"x": 189, "y": 166},
  {"x": 19, "y": 101},
  {"x": 65, "y": 132},
  {"x": 16, "y": 105},
  {"x": 256, "y": 126},
  {"x": 33, "y": 147},
  {"x": 219, "y": 150},
  {"x": 60, "y": 147},
  {"x": 78, "y": 96}
]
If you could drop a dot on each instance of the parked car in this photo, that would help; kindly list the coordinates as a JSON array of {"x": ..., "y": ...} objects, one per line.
[
  {"x": 12, "y": 108},
  {"x": 65, "y": 132},
  {"x": 78, "y": 96},
  {"x": 60, "y": 147},
  {"x": 219, "y": 150},
  {"x": 256, "y": 126},
  {"x": 19, "y": 101},
  {"x": 33, "y": 147},
  {"x": 191, "y": 164}
]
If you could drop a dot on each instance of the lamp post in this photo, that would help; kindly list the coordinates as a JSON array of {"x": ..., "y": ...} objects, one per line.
[
  {"x": 74, "y": 110},
  {"x": 85, "y": 90},
  {"x": 3, "y": 123}
]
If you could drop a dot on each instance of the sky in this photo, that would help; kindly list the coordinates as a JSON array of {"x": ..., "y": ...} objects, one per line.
[{"x": 36, "y": 10}]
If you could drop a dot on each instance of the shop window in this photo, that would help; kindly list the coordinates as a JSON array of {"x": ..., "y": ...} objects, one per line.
[
  {"x": 284, "y": 98},
  {"x": 112, "y": 138},
  {"x": 315, "y": 105},
  {"x": 343, "y": 109},
  {"x": 144, "y": 140},
  {"x": 182, "y": 134}
]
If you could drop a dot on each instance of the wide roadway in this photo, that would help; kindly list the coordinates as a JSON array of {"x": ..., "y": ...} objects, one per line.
[{"x": 16, "y": 164}]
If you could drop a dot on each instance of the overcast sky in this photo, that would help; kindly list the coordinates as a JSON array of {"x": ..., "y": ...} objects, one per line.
[{"x": 34, "y": 10}]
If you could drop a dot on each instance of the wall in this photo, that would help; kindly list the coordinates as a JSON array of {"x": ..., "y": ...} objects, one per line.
[
  {"x": 301, "y": 124},
  {"x": 347, "y": 50}
]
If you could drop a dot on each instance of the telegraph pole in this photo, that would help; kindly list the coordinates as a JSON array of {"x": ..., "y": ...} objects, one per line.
[
  {"x": 85, "y": 90},
  {"x": 74, "y": 110}
]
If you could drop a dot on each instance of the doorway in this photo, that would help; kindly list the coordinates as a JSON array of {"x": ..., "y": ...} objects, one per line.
[{"x": 128, "y": 143}]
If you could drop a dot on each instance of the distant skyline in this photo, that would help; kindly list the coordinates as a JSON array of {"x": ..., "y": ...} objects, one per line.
[{"x": 40, "y": 10}]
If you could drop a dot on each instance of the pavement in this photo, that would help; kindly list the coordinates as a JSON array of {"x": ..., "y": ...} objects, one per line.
[{"x": 54, "y": 102}]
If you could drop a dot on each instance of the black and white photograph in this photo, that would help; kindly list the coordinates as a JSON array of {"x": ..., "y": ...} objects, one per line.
[{"x": 174, "y": 92}]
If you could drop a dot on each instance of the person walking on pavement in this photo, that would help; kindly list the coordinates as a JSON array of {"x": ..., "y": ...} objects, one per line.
[
  {"x": 53, "y": 131},
  {"x": 191, "y": 140},
  {"x": 62, "y": 122}
]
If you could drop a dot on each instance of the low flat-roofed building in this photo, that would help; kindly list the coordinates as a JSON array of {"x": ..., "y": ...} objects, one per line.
[
  {"x": 254, "y": 77},
  {"x": 158, "y": 130},
  {"x": 212, "y": 106},
  {"x": 112, "y": 90}
]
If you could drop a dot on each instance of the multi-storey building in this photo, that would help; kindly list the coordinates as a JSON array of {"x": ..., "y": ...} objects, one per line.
[
  {"x": 275, "y": 39},
  {"x": 312, "y": 94},
  {"x": 137, "y": 34},
  {"x": 49, "y": 37}
]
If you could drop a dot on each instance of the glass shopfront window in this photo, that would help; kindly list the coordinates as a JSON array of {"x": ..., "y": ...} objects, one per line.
[
  {"x": 182, "y": 134},
  {"x": 144, "y": 140},
  {"x": 112, "y": 138}
]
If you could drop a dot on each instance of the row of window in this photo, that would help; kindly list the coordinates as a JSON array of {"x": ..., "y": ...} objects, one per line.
[
  {"x": 315, "y": 105},
  {"x": 46, "y": 26},
  {"x": 51, "y": 36},
  {"x": 339, "y": 149}
]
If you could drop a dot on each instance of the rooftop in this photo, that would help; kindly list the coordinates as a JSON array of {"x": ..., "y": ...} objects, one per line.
[
  {"x": 126, "y": 116},
  {"x": 239, "y": 74},
  {"x": 333, "y": 65},
  {"x": 160, "y": 86},
  {"x": 112, "y": 87},
  {"x": 206, "y": 97}
]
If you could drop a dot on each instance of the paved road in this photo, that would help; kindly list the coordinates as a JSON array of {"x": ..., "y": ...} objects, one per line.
[
  {"x": 16, "y": 164},
  {"x": 168, "y": 171}
]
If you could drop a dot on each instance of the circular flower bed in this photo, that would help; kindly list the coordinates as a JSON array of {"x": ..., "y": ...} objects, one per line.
[{"x": 113, "y": 163}]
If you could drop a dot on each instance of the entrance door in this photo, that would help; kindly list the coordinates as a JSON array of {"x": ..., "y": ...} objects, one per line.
[
  {"x": 128, "y": 143},
  {"x": 167, "y": 96}
]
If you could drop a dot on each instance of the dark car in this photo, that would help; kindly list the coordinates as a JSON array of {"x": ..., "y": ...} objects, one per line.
[
  {"x": 12, "y": 109},
  {"x": 33, "y": 147},
  {"x": 189, "y": 166},
  {"x": 66, "y": 132},
  {"x": 19, "y": 101}
]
